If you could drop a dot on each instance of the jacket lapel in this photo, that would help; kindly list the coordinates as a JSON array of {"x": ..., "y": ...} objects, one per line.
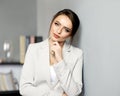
[
  {"x": 44, "y": 60},
  {"x": 66, "y": 49}
]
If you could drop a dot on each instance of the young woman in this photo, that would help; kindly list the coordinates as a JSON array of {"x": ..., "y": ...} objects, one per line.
[{"x": 54, "y": 67}]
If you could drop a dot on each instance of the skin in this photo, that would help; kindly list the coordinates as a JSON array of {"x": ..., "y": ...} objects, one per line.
[{"x": 60, "y": 30}]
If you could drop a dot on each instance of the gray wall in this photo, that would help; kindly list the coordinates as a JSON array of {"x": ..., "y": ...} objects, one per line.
[
  {"x": 17, "y": 17},
  {"x": 98, "y": 37},
  {"x": 100, "y": 42}
]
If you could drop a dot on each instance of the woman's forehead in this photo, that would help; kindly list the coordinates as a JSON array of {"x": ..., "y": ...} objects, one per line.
[{"x": 64, "y": 20}]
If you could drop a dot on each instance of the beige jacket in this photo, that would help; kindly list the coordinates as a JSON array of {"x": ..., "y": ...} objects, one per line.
[{"x": 35, "y": 77}]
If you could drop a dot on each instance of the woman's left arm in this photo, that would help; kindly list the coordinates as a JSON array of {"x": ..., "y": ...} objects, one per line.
[{"x": 70, "y": 80}]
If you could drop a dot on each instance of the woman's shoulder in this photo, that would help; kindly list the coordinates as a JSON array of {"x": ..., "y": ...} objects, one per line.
[{"x": 76, "y": 50}]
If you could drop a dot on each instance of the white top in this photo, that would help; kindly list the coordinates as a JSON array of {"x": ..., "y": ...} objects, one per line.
[{"x": 52, "y": 75}]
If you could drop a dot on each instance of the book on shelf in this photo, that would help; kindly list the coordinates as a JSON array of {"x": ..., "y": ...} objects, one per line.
[
  {"x": 24, "y": 43},
  {"x": 7, "y": 82}
]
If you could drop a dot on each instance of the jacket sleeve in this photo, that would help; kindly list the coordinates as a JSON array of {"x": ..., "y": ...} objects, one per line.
[
  {"x": 27, "y": 86},
  {"x": 70, "y": 80}
]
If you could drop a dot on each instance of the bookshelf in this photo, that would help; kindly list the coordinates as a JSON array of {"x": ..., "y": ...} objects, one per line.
[
  {"x": 10, "y": 93},
  {"x": 24, "y": 43},
  {"x": 11, "y": 63},
  {"x": 16, "y": 66}
]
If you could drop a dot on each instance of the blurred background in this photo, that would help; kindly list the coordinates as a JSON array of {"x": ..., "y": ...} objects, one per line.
[{"x": 98, "y": 37}]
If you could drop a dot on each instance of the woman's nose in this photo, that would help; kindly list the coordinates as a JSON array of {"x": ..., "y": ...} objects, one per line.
[{"x": 59, "y": 30}]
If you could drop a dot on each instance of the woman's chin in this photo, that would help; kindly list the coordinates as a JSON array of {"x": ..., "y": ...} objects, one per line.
[{"x": 56, "y": 40}]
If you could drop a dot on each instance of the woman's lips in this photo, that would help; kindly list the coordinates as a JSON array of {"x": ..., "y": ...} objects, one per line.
[{"x": 56, "y": 36}]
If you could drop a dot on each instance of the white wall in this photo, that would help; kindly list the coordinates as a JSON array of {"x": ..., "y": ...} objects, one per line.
[{"x": 99, "y": 39}]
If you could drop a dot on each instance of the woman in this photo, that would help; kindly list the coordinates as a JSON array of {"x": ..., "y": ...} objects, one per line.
[{"x": 54, "y": 67}]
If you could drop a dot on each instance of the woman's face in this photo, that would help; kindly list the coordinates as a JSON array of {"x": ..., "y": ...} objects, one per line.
[{"x": 61, "y": 28}]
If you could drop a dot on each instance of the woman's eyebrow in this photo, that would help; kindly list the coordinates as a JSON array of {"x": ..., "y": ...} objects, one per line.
[
  {"x": 64, "y": 26},
  {"x": 68, "y": 28}
]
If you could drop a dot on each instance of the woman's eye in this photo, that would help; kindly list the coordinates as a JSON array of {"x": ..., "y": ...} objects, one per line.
[
  {"x": 56, "y": 23},
  {"x": 67, "y": 30}
]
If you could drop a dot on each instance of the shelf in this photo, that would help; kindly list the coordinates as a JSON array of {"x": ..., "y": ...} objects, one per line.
[
  {"x": 11, "y": 63},
  {"x": 10, "y": 93}
]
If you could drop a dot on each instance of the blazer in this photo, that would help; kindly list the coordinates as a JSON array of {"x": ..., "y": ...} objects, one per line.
[{"x": 35, "y": 76}]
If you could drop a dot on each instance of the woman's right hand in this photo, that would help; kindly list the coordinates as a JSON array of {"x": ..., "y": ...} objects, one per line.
[
  {"x": 57, "y": 51},
  {"x": 64, "y": 94}
]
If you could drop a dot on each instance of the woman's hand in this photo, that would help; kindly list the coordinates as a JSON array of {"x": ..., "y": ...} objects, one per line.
[
  {"x": 56, "y": 51},
  {"x": 64, "y": 94}
]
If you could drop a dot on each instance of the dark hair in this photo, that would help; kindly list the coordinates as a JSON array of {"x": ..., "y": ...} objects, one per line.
[{"x": 73, "y": 17}]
